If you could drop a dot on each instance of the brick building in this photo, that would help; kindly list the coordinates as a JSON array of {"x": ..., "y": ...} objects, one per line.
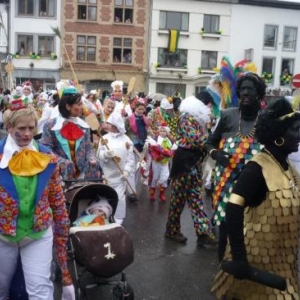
[{"x": 105, "y": 40}]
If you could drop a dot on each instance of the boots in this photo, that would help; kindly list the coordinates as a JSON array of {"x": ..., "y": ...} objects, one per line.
[
  {"x": 162, "y": 196},
  {"x": 152, "y": 194}
]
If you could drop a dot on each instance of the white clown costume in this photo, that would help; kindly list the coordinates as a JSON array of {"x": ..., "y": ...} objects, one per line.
[{"x": 120, "y": 151}]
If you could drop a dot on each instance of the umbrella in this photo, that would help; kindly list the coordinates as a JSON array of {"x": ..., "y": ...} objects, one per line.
[{"x": 156, "y": 97}]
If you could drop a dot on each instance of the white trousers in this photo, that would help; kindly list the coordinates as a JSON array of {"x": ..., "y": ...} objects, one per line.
[
  {"x": 120, "y": 188},
  {"x": 36, "y": 260},
  {"x": 160, "y": 174}
]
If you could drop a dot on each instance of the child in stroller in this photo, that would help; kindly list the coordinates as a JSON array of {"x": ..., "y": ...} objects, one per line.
[
  {"x": 96, "y": 214},
  {"x": 98, "y": 252}
]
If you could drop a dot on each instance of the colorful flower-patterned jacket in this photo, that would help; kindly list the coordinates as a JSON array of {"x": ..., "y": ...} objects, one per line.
[
  {"x": 49, "y": 197},
  {"x": 84, "y": 152}
]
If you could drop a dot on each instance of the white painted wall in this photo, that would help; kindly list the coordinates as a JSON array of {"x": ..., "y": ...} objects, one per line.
[
  {"x": 194, "y": 42},
  {"x": 247, "y": 31},
  {"x": 41, "y": 26},
  {"x": 3, "y": 28}
]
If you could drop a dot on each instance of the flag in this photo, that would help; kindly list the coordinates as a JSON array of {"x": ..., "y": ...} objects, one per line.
[{"x": 173, "y": 40}]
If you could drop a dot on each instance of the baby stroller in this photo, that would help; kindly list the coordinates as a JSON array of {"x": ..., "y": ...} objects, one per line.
[{"x": 98, "y": 252}]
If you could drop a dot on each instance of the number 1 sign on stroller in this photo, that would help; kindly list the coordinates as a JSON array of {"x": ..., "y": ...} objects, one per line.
[{"x": 98, "y": 252}]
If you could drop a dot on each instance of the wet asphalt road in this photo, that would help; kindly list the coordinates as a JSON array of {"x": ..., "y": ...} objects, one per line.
[{"x": 162, "y": 269}]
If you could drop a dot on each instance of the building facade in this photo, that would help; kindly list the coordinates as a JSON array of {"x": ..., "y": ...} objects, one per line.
[
  {"x": 203, "y": 29},
  {"x": 262, "y": 31},
  {"x": 267, "y": 32},
  {"x": 105, "y": 41},
  {"x": 33, "y": 47}
]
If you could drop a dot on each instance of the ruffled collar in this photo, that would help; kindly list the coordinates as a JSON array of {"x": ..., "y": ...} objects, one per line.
[
  {"x": 60, "y": 122},
  {"x": 10, "y": 148}
]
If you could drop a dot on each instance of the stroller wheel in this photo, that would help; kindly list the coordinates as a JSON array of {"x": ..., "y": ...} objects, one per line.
[{"x": 122, "y": 291}]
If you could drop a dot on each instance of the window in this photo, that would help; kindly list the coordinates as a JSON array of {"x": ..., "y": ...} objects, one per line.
[
  {"x": 171, "y": 89},
  {"x": 287, "y": 66},
  {"x": 268, "y": 67},
  {"x": 122, "y": 50},
  {"x": 174, "y": 20},
  {"x": 211, "y": 23},
  {"x": 38, "y": 44},
  {"x": 289, "y": 38},
  {"x": 45, "y": 45},
  {"x": 176, "y": 59},
  {"x": 87, "y": 10},
  {"x": 46, "y": 8},
  {"x": 41, "y": 8},
  {"x": 123, "y": 11},
  {"x": 209, "y": 60},
  {"x": 86, "y": 48},
  {"x": 25, "y": 45},
  {"x": 287, "y": 70},
  {"x": 270, "y": 36},
  {"x": 25, "y": 7}
]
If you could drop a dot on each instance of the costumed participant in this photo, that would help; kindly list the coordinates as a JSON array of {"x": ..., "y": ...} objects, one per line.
[
  {"x": 117, "y": 95},
  {"x": 208, "y": 164},
  {"x": 161, "y": 152},
  {"x": 54, "y": 100},
  {"x": 164, "y": 114},
  {"x": 15, "y": 95},
  {"x": 96, "y": 214},
  {"x": 115, "y": 152},
  {"x": 33, "y": 212},
  {"x": 46, "y": 108},
  {"x": 137, "y": 129},
  {"x": 232, "y": 144},
  {"x": 294, "y": 157},
  {"x": 93, "y": 105},
  {"x": 186, "y": 172},
  {"x": 27, "y": 96},
  {"x": 68, "y": 136},
  {"x": 108, "y": 108},
  {"x": 262, "y": 215}
]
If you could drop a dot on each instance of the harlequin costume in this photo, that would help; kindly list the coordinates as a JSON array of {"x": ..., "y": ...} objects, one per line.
[
  {"x": 186, "y": 171},
  {"x": 69, "y": 139},
  {"x": 271, "y": 229},
  {"x": 32, "y": 203}
]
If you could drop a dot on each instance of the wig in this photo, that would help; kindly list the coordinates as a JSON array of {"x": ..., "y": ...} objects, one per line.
[
  {"x": 195, "y": 108},
  {"x": 274, "y": 120}
]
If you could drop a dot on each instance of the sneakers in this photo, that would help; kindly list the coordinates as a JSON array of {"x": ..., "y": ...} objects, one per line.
[
  {"x": 206, "y": 240},
  {"x": 177, "y": 237}
]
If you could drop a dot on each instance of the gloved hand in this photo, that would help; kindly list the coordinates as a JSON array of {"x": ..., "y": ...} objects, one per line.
[
  {"x": 240, "y": 269},
  {"x": 125, "y": 175},
  {"x": 109, "y": 153},
  {"x": 174, "y": 147},
  {"x": 141, "y": 165},
  {"x": 68, "y": 292},
  {"x": 221, "y": 157},
  {"x": 150, "y": 141}
]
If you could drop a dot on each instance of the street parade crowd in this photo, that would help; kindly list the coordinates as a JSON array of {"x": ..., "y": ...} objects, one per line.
[{"x": 227, "y": 141}]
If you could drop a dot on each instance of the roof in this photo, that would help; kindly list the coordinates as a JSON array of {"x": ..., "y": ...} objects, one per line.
[{"x": 272, "y": 3}]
